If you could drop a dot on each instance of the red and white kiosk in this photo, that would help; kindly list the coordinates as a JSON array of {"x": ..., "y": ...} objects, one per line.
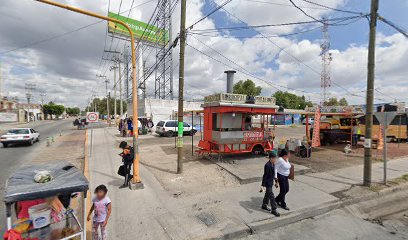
[{"x": 236, "y": 123}]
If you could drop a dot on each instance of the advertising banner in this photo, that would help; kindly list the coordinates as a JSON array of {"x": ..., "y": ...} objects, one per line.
[
  {"x": 150, "y": 33},
  {"x": 253, "y": 136}
]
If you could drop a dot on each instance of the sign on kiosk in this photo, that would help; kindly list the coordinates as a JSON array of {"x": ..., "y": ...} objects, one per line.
[{"x": 92, "y": 116}]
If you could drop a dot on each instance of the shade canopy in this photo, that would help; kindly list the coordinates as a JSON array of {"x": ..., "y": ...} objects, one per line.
[{"x": 66, "y": 179}]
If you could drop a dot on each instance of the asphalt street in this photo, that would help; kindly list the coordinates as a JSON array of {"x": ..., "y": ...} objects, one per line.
[{"x": 14, "y": 156}]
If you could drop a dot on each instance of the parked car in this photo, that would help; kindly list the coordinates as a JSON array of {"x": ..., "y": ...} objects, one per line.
[
  {"x": 169, "y": 128},
  {"x": 20, "y": 135},
  {"x": 311, "y": 121}
]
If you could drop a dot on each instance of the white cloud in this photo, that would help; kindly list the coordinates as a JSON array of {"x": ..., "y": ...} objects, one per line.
[{"x": 66, "y": 66}]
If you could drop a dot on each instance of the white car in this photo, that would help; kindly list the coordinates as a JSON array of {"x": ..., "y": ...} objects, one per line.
[
  {"x": 20, "y": 135},
  {"x": 311, "y": 121},
  {"x": 169, "y": 128}
]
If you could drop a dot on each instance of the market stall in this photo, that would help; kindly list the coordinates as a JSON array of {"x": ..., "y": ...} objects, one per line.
[
  {"x": 42, "y": 198},
  {"x": 236, "y": 123}
]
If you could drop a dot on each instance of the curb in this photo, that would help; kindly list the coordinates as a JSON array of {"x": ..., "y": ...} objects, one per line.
[{"x": 273, "y": 223}]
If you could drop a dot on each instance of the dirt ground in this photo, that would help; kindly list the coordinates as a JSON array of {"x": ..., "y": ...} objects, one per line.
[{"x": 160, "y": 156}]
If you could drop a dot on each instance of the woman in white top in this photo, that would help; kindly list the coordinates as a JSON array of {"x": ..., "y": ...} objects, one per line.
[{"x": 283, "y": 169}]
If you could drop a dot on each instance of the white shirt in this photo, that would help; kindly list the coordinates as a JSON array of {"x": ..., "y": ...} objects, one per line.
[{"x": 283, "y": 167}]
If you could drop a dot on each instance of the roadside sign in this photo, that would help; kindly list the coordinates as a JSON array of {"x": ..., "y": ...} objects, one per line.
[
  {"x": 92, "y": 116},
  {"x": 385, "y": 118}
]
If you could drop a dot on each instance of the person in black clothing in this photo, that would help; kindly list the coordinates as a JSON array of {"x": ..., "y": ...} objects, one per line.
[
  {"x": 268, "y": 178},
  {"x": 127, "y": 159}
]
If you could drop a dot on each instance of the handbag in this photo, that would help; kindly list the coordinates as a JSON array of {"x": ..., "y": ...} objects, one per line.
[
  {"x": 292, "y": 172},
  {"x": 122, "y": 170}
]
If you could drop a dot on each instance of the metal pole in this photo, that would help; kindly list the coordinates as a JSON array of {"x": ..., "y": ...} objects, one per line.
[
  {"x": 201, "y": 129},
  {"x": 136, "y": 176},
  {"x": 120, "y": 91},
  {"x": 171, "y": 53},
  {"x": 107, "y": 103},
  {"x": 370, "y": 94},
  {"x": 127, "y": 75},
  {"x": 181, "y": 88},
  {"x": 192, "y": 131},
  {"x": 114, "y": 94},
  {"x": 385, "y": 151}
]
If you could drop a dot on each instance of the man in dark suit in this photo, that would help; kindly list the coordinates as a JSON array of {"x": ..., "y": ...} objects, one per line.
[{"x": 269, "y": 176}]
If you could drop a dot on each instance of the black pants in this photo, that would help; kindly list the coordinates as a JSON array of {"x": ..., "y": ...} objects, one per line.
[
  {"x": 354, "y": 139},
  {"x": 128, "y": 176},
  {"x": 269, "y": 197},
  {"x": 283, "y": 189}
]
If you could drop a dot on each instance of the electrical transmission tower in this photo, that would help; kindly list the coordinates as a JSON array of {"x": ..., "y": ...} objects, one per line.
[
  {"x": 163, "y": 87},
  {"x": 326, "y": 60}
]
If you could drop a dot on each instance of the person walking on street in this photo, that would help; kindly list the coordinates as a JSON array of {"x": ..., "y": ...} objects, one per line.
[
  {"x": 127, "y": 159},
  {"x": 269, "y": 176},
  {"x": 102, "y": 210},
  {"x": 283, "y": 170}
]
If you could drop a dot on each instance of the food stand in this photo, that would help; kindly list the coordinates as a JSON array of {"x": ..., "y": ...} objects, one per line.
[
  {"x": 65, "y": 180},
  {"x": 236, "y": 123}
]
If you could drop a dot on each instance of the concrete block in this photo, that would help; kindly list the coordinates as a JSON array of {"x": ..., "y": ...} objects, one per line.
[{"x": 136, "y": 186}]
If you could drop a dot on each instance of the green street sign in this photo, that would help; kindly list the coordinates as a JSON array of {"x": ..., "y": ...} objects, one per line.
[{"x": 140, "y": 29}]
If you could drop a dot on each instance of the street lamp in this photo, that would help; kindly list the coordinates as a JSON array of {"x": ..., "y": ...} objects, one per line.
[{"x": 136, "y": 177}]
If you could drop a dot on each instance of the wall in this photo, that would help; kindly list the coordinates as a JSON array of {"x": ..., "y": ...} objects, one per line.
[
  {"x": 161, "y": 109},
  {"x": 8, "y": 117}
]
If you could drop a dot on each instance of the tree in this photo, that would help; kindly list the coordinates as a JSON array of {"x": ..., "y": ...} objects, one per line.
[
  {"x": 73, "y": 111},
  {"x": 343, "y": 102},
  {"x": 247, "y": 87},
  {"x": 290, "y": 100},
  {"x": 101, "y": 106},
  {"x": 331, "y": 102},
  {"x": 53, "y": 109}
]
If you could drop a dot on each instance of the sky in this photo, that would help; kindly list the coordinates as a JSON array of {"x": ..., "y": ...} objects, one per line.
[{"x": 61, "y": 52}]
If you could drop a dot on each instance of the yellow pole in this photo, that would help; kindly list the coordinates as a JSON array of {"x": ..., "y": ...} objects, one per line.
[{"x": 136, "y": 176}]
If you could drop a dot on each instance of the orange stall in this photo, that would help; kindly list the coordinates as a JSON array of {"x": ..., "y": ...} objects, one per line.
[{"x": 236, "y": 123}]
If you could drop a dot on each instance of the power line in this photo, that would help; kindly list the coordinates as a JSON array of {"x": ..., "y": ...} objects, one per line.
[
  {"x": 295, "y": 58},
  {"x": 305, "y": 13},
  {"x": 209, "y": 14},
  {"x": 269, "y": 36},
  {"x": 336, "y": 21},
  {"x": 393, "y": 25},
  {"x": 62, "y": 34},
  {"x": 331, "y": 8}
]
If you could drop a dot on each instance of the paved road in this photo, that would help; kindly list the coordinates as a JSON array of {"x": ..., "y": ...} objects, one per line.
[{"x": 13, "y": 157}]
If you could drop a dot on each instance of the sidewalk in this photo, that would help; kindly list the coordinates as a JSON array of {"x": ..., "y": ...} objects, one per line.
[{"x": 167, "y": 209}]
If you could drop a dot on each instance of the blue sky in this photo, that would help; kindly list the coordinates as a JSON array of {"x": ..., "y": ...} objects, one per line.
[
  {"x": 341, "y": 36},
  {"x": 71, "y": 62}
]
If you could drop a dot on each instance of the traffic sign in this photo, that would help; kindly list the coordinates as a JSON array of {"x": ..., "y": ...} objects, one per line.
[
  {"x": 92, "y": 116},
  {"x": 385, "y": 118}
]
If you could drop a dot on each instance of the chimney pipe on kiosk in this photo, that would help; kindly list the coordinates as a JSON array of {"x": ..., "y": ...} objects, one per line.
[{"x": 230, "y": 80}]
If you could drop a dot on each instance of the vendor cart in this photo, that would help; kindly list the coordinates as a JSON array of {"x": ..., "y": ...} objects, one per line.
[
  {"x": 236, "y": 123},
  {"x": 66, "y": 179}
]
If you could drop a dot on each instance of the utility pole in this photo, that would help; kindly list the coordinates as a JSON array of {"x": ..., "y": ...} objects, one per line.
[
  {"x": 107, "y": 101},
  {"x": 114, "y": 67},
  {"x": 29, "y": 93},
  {"x": 181, "y": 88},
  {"x": 125, "y": 56},
  {"x": 370, "y": 94}
]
